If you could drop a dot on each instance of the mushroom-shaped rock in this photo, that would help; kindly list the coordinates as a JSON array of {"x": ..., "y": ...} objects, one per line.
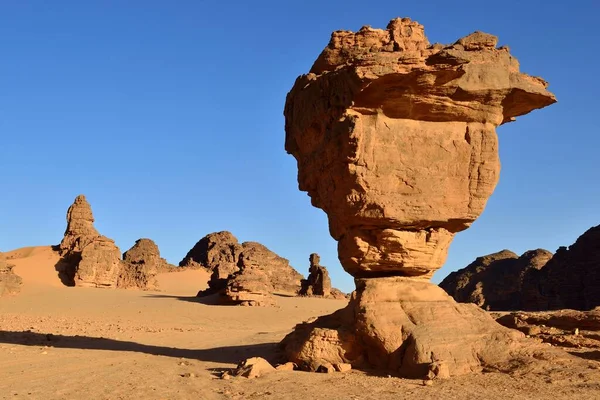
[{"x": 396, "y": 141}]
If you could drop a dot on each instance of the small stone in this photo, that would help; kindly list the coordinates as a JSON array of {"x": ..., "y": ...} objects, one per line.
[
  {"x": 253, "y": 368},
  {"x": 288, "y": 366},
  {"x": 343, "y": 367},
  {"x": 326, "y": 368},
  {"x": 226, "y": 375},
  {"x": 576, "y": 331},
  {"x": 427, "y": 382}
]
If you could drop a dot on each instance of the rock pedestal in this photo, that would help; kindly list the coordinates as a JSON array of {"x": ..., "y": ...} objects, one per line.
[{"x": 395, "y": 140}]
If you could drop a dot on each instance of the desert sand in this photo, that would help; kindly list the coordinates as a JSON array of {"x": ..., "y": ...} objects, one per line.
[{"x": 59, "y": 342}]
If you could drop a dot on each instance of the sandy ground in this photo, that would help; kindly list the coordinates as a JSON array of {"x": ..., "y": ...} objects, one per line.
[{"x": 77, "y": 343}]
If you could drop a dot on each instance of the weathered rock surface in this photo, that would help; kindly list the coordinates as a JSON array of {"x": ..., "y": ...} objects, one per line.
[
  {"x": 89, "y": 259},
  {"x": 395, "y": 140},
  {"x": 564, "y": 328},
  {"x": 254, "y": 367},
  {"x": 494, "y": 281},
  {"x": 143, "y": 262},
  {"x": 246, "y": 273},
  {"x": 402, "y": 325},
  {"x": 570, "y": 279},
  {"x": 218, "y": 252},
  {"x": 10, "y": 283},
  {"x": 318, "y": 282}
]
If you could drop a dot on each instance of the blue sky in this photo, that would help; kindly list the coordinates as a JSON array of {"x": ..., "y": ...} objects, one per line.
[{"x": 167, "y": 115}]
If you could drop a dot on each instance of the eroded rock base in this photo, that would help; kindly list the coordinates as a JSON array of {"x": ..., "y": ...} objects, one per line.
[{"x": 404, "y": 326}]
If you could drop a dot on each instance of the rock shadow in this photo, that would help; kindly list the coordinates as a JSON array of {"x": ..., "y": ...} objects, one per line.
[
  {"x": 211, "y": 300},
  {"x": 226, "y": 354},
  {"x": 588, "y": 355},
  {"x": 65, "y": 267}
]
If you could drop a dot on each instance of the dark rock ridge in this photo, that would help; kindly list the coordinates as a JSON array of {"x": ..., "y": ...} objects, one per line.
[
  {"x": 494, "y": 282},
  {"x": 571, "y": 279},
  {"x": 536, "y": 281}
]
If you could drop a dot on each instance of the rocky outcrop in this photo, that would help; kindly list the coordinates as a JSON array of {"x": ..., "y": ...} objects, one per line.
[
  {"x": 494, "y": 282},
  {"x": 571, "y": 279},
  {"x": 318, "y": 282},
  {"x": 564, "y": 328},
  {"x": 143, "y": 262},
  {"x": 246, "y": 273},
  {"x": 395, "y": 140},
  {"x": 10, "y": 283},
  {"x": 89, "y": 259},
  {"x": 218, "y": 252}
]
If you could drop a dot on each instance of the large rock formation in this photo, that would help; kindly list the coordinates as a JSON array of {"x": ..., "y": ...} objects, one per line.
[
  {"x": 395, "y": 140},
  {"x": 218, "y": 252},
  {"x": 494, "y": 282},
  {"x": 10, "y": 283},
  {"x": 143, "y": 262},
  {"x": 571, "y": 279},
  {"x": 89, "y": 259},
  {"x": 244, "y": 273},
  {"x": 318, "y": 282}
]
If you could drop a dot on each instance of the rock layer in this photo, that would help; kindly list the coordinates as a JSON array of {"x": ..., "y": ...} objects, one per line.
[
  {"x": 495, "y": 281},
  {"x": 10, "y": 283},
  {"x": 395, "y": 140}
]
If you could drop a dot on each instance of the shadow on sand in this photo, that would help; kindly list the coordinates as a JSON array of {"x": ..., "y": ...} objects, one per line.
[
  {"x": 212, "y": 300},
  {"x": 227, "y": 354},
  {"x": 588, "y": 355}
]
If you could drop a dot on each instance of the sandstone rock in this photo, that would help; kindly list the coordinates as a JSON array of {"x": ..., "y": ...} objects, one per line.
[
  {"x": 10, "y": 283},
  {"x": 395, "y": 140},
  {"x": 342, "y": 367},
  {"x": 142, "y": 263},
  {"x": 571, "y": 279},
  {"x": 248, "y": 287},
  {"x": 494, "y": 282},
  {"x": 288, "y": 366},
  {"x": 218, "y": 252},
  {"x": 563, "y": 328},
  {"x": 88, "y": 258},
  {"x": 254, "y": 367},
  {"x": 402, "y": 325},
  {"x": 244, "y": 274},
  {"x": 326, "y": 368},
  {"x": 318, "y": 282}
]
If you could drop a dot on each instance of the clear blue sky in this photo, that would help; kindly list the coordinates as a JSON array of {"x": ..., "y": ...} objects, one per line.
[{"x": 167, "y": 115}]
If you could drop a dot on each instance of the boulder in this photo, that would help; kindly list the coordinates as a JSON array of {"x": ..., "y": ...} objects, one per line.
[
  {"x": 494, "y": 282},
  {"x": 396, "y": 141},
  {"x": 254, "y": 367},
  {"x": 10, "y": 283}
]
